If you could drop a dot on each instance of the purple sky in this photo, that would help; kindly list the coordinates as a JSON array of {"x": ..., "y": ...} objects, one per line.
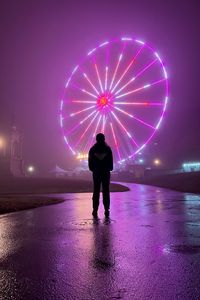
[{"x": 42, "y": 41}]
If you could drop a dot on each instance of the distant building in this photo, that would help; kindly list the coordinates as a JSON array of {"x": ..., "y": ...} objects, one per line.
[
  {"x": 11, "y": 161},
  {"x": 191, "y": 167}
]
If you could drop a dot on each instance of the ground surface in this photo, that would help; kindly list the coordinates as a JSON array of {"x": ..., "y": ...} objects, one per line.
[{"x": 148, "y": 249}]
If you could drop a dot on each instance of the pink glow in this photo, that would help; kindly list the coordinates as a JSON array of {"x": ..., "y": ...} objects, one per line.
[
  {"x": 92, "y": 85},
  {"x": 127, "y": 68},
  {"x": 115, "y": 141},
  {"x": 103, "y": 83}
]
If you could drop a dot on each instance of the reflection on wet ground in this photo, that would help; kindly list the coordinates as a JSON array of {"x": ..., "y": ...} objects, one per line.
[{"x": 149, "y": 248}]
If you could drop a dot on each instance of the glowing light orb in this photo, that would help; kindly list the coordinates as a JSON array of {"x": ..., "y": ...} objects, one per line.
[{"x": 120, "y": 89}]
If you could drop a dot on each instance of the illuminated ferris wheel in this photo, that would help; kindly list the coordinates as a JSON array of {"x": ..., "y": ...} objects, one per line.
[{"x": 120, "y": 89}]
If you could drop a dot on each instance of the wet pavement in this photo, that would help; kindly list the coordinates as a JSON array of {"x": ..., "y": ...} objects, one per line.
[{"x": 148, "y": 249}]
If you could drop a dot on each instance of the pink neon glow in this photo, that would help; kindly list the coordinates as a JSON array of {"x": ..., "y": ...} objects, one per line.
[
  {"x": 95, "y": 131},
  {"x": 139, "y": 103},
  {"x": 120, "y": 123},
  {"x": 101, "y": 94},
  {"x": 115, "y": 72},
  {"x": 92, "y": 85},
  {"x": 80, "y": 111},
  {"x": 115, "y": 141},
  {"x": 138, "y": 119},
  {"x": 97, "y": 71},
  {"x": 143, "y": 87},
  {"x": 127, "y": 68},
  {"x": 86, "y": 129}
]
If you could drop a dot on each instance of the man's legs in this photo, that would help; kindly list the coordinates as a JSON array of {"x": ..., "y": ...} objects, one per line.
[
  {"x": 106, "y": 192},
  {"x": 96, "y": 192}
]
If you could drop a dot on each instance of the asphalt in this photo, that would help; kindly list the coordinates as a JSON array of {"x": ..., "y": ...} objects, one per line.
[{"x": 149, "y": 248}]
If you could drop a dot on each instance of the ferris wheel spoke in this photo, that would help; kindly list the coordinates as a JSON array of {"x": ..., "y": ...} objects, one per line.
[
  {"x": 84, "y": 91},
  {"x": 80, "y": 123},
  {"x": 83, "y": 101},
  {"x": 80, "y": 111},
  {"x": 95, "y": 131},
  {"x": 106, "y": 78},
  {"x": 137, "y": 75},
  {"x": 86, "y": 129},
  {"x": 103, "y": 124},
  {"x": 127, "y": 68},
  {"x": 98, "y": 76},
  {"x": 93, "y": 134},
  {"x": 135, "y": 118},
  {"x": 115, "y": 141},
  {"x": 128, "y": 133},
  {"x": 90, "y": 82},
  {"x": 140, "y": 88},
  {"x": 139, "y": 103}
]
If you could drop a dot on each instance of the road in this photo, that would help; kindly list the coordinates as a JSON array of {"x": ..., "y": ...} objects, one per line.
[{"x": 148, "y": 249}]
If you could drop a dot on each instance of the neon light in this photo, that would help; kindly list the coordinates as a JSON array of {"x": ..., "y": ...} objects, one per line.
[
  {"x": 131, "y": 116},
  {"x": 87, "y": 129},
  {"x": 75, "y": 69},
  {"x": 140, "y": 42},
  {"x": 126, "y": 70},
  {"x": 89, "y": 53},
  {"x": 115, "y": 72},
  {"x": 83, "y": 90},
  {"x": 86, "y": 118},
  {"x": 80, "y": 111},
  {"x": 61, "y": 104},
  {"x": 99, "y": 79},
  {"x": 106, "y": 90},
  {"x": 139, "y": 103},
  {"x": 158, "y": 125},
  {"x": 61, "y": 121},
  {"x": 157, "y": 55},
  {"x": 92, "y": 85},
  {"x": 120, "y": 123},
  {"x": 83, "y": 101},
  {"x": 143, "y": 87},
  {"x": 165, "y": 73},
  {"x": 95, "y": 131},
  {"x": 146, "y": 68},
  {"x": 103, "y": 44},
  {"x": 114, "y": 137},
  {"x": 106, "y": 78},
  {"x": 126, "y": 39},
  {"x": 67, "y": 82}
]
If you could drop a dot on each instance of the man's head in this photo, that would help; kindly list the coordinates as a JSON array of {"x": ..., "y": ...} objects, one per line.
[{"x": 100, "y": 138}]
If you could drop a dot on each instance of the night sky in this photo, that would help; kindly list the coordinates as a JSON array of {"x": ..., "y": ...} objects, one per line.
[{"x": 42, "y": 41}]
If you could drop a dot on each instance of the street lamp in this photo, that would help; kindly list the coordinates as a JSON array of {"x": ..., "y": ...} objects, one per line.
[
  {"x": 157, "y": 162},
  {"x": 2, "y": 146},
  {"x": 30, "y": 169}
]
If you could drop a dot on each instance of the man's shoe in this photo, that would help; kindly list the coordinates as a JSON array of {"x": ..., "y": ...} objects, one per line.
[
  {"x": 107, "y": 213},
  {"x": 94, "y": 213}
]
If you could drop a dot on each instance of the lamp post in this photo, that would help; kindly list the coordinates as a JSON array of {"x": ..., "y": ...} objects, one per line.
[{"x": 2, "y": 147}]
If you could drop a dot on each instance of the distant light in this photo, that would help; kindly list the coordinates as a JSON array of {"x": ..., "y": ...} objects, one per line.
[
  {"x": 141, "y": 160},
  {"x": 30, "y": 169},
  {"x": 126, "y": 39},
  {"x": 157, "y": 162},
  {"x": 82, "y": 156},
  {"x": 2, "y": 142},
  {"x": 103, "y": 44},
  {"x": 191, "y": 166},
  {"x": 89, "y": 53},
  {"x": 140, "y": 42}
]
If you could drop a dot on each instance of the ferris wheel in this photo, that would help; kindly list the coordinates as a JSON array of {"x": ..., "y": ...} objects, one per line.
[{"x": 119, "y": 89}]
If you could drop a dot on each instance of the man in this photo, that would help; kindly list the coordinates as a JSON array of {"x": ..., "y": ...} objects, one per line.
[{"x": 100, "y": 161}]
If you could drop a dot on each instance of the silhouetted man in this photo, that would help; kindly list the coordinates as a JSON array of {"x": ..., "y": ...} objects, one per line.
[{"x": 100, "y": 162}]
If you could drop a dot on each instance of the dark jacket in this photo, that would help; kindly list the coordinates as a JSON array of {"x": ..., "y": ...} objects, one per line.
[{"x": 100, "y": 158}]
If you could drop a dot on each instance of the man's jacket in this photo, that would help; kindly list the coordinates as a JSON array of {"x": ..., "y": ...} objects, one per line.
[{"x": 100, "y": 158}]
